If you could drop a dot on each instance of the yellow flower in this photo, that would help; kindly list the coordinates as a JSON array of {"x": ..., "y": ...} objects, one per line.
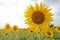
[
  {"x": 38, "y": 16},
  {"x": 7, "y": 27},
  {"x": 48, "y": 33},
  {"x": 15, "y": 28},
  {"x": 58, "y": 29}
]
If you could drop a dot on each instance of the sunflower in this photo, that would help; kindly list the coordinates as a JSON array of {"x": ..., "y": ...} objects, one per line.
[
  {"x": 58, "y": 29},
  {"x": 15, "y": 28},
  {"x": 48, "y": 33},
  {"x": 7, "y": 27},
  {"x": 38, "y": 16}
]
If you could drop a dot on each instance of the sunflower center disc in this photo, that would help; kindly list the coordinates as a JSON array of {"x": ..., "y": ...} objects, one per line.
[
  {"x": 48, "y": 33},
  {"x": 8, "y": 27},
  {"x": 15, "y": 28},
  {"x": 59, "y": 28},
  {"x": 38, "y": 17}
]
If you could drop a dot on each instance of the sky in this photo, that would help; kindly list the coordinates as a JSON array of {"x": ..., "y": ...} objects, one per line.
[
  {"x": 12, "y": 11},
  {"x": 55, "y": 5}
]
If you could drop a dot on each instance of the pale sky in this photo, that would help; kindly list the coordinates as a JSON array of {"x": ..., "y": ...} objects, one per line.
[
  {"x": 55, "y": 5},
  {"x": 12, "y": 11}
]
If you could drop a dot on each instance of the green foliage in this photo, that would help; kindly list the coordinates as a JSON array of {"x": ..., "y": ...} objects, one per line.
[
  {"x": 18, "y": 36},
  {"x": 28, "y": 36},
  {"x": 56, "y": 35}
]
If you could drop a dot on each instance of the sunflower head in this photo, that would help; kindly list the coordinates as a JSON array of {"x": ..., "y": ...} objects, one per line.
[
  {"x": 38, "y": 16},
  {"x": 58, "y": 29},
  {"x": 48, "y": 33},
  {"x": 15, "y": 28},
  {"x": 7, "y": 27}
]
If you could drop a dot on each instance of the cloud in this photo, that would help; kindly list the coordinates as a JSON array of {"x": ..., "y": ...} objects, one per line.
[{"x": 12, "y": 11}]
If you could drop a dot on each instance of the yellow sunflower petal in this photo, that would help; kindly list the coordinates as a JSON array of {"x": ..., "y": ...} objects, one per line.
[
  {"x": 36, "y": 7},
  {"x": 41, "y": 6}
]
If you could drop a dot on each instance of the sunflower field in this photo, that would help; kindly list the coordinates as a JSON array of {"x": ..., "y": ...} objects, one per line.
[{"x": 38, "y": 20}]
